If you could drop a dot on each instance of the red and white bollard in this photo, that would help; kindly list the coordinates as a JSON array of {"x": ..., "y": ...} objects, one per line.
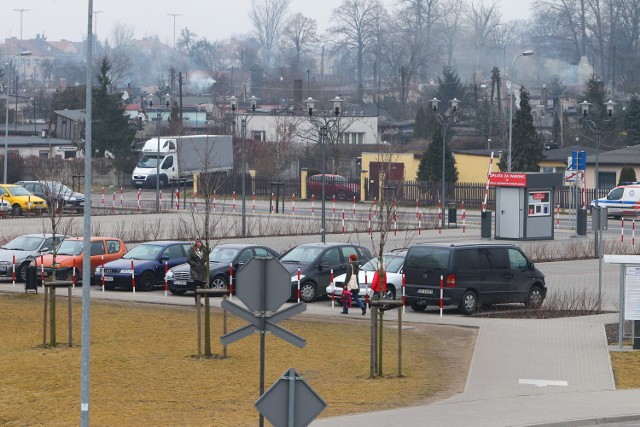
[
  {"x": 233, "y": 204},
  {"x": 133, "y": 277},
  {"x": 230, "y": 280},
  {"x": 102, "y": 278},
  {"x": 177, "y": 199},
  {"x": 369, "y": 225},
  {"x": 102, "y": 198},
  {"x": 113, "y": 203},
  {"x": 272, "y": 200},
  {"x": 343, "y": 224},
  {"x": 441, "y": 294},
  {"x": 121, "y": 199},
  {"x": 333, "y": 208},
  {"x": 293, "y": 204},
  {"x": 404, "y": 292},
  {"x": 333, "y": 289},
  {"x": 214, "y": 201},
  {"x": 313, "y": 204},
  {"x": 622, "y": 230},
  {"x": 13, "y": 270},
  {"x": 42, "y": 270},
  {"x": 298, "y": 284},
  {"x": 139, "y": 191},
  {"x": 558, "y": 216},
  {"x": 160, "y": 201},
  {"x": 464, "y": 217},
  {"x": 439, "y": 217},
  {"x": 253, "y": 203},
  {"x": 1, "y": 205},
  {"x": 353, "y": 214},
  {"x": 395, "y": 223},
  {"x": 73, "y": 274},
  {"x": 417, "y": 208},
  {"x": 420, "y": 224},
  {"x": 166, "y": 284}
]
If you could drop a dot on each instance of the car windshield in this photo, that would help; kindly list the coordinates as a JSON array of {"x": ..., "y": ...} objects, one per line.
[
  {"x": 301, "y": 254},
  {"x": 223, "y": 255},
  {"x": 149, "y": 161},
  {"x": 393, "y": 264},
  {"x": 19, "y": 191},
  {"x": 144, "y": 252},
  {"x": 615, "y": 194},
  {"x": 59, "y": 188},
  {"x": 24, "y": 243},
  {"x": 70, "y": 247}
]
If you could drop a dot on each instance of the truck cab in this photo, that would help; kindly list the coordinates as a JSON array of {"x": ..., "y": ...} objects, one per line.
[{"x": 144, "y": 174}]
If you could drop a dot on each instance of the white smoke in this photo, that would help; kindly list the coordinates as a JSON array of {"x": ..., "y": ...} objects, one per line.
[
  {"x": 571, "y": 75},
  {"x": 200, "y": 84}
]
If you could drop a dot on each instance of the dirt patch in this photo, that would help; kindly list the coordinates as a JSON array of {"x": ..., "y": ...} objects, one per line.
[{"x": 145, "y": 370}]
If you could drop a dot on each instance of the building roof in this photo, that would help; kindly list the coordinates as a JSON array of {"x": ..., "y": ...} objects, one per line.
[
  {"x": 75, "y": 115},
  {"x": 622, "y": 156},
  {"x": 35, "y": 141}
]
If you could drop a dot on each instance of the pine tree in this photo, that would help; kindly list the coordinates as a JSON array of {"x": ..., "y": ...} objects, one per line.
[
  {"x": 421, "y": 127},
  {"x": 526, "y": 145},
  {"x": 632, "y": 121},
  {"x": 627, "y": 174},
  {"x": 430, "y": 168}
]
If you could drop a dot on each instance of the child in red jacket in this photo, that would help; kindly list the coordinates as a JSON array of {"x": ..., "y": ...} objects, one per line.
[{"x": 345, "y": 298}]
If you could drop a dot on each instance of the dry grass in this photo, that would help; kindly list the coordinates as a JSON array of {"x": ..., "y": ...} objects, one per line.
[
  {"x": 144, "y": 370},
  {"x": 626, "y": 368}
]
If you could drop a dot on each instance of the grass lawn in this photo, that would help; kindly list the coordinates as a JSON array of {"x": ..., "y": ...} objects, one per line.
[{"x": 145, "y": 370}]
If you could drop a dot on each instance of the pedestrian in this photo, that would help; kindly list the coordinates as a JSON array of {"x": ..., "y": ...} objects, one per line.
[
  {"x": 345, "y": 298},
  {"x": 379, "y": 282},
  {"x": 196, "y": 260},
  {"x": 354, "y": 285}
]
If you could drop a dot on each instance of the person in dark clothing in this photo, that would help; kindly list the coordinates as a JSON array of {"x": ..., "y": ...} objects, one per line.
[
  {"x": 353, "y": 269},
  {"x": 197, "y": 261}
]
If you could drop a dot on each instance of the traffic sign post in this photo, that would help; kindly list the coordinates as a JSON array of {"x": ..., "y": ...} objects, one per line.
[{"x": 263, "y": 285}]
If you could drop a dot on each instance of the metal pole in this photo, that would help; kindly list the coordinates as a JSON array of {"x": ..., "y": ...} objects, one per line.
[
  {"x": 86, "y": 236},
  {"x": 621, "y": 311},
  {"x": 243, "y": 124},
  {"x": 6, "y": 131},
  {"x": 323, "y": 131},
  {"x": 599, "y": 228},
  {"x": 263, "y": 332},
  {"x": 510, "y": 122},
  {"x": 158, "y": 164},
  {"x": 444, "y": 139}
]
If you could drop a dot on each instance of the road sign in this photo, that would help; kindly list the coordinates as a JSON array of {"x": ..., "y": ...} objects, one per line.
[
  {"x": 578, "y": 160},
  {"x": 277, "y": 284},
  {"x": 290, "y": 402}
]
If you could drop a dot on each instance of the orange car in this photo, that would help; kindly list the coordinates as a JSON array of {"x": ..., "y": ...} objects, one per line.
[{"x": 72, "y": 249}]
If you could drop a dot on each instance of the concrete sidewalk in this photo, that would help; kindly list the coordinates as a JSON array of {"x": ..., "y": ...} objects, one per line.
[{"x": 525, "y": 372}]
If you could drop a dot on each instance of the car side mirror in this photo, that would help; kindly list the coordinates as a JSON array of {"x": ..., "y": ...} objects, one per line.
[
  {"x": 164, "y": 258},
  {"x": 531, "y": 265}
]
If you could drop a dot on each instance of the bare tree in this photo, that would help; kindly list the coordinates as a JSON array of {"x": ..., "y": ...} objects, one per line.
[
  {"x": 300, "y": 34},
  {"x": 450, "y": 25},
  {"x": 483, "y": 20},
  {"x": 357, "y": 24},
  {"x": 268, "y": 18}
]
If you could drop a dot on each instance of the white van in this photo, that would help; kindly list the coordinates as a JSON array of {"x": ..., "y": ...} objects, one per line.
[{"x": 623, "y": 200}]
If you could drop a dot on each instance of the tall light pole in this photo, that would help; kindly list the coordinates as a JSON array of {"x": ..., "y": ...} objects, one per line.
[
  {"x": 243, "y": 126},
  {"x": 174, "y": 27},
  {"x": 323, "y": 126},
  {"x": 596, "y": 128},
  {"x": 443, "y": 119},
  {"x": 6, "y": 118},
  {"x": 21, "y": 11},
  {"x": 95, "y": 27},
  {"x": 525, "y": 53}
]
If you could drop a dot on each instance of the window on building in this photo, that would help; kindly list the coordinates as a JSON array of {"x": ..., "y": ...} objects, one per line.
[
  {"x": 606, "y": 180},
  {"x": 258, "y": 135},
  {"x": 43, "y": 154},
  {"x": 353, "y": 138}
]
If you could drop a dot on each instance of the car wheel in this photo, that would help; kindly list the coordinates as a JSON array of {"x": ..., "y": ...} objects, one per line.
[
  {"x": 342, "y": 195},
  {"x": 163, "y": 182},
  {"x": 177, "y": 291},
  {"x": 308, "y": 292},
  {"x": 535, "y": 298},
  {"x": 147, "y": 281},
  {"x": 469, "y": 303},
  {"x": 219, "y": 282},
  {"x": 21, "y": 272},
  {"x": 16, "y": 210},
  {"x": 418, "y": 306},
  {"x": 391, "y": 291}
]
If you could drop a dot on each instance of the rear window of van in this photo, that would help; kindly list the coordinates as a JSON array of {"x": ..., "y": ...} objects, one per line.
[{"x": 428, "y": 258}]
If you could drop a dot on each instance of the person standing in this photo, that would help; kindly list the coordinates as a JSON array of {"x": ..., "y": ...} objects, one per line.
[
  {"x": 352, "y": 270},
  {"x": 196, "y": 260},
  {"x": 379, "y": 283}
]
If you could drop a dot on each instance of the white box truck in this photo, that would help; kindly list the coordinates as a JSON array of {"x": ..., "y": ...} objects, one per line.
[{"x": 180, "y": 157}]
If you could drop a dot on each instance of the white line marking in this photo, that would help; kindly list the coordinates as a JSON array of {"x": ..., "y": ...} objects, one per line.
[{"x": 543, "y": 383}]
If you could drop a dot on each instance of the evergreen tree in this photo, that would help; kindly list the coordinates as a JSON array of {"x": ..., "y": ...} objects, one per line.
[
  {"x": 526, "y": 145},
  {"x": 111, "y": 130},
  {"x": 421, "y": 126},
  {"x": 430, "y": 168},
  {"x": 627, "y": 174},
  {"x": 632, "y": 121},
  {"x": 449, "y": 86}
]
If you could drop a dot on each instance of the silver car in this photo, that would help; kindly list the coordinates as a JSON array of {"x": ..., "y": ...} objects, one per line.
[{"x": 25, "y": 248}]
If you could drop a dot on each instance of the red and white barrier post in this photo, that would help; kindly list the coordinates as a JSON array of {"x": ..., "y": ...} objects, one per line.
[
  {"x": 121, "y": 199},
  {"x": 13, "y": 270},
  {"x": 464, "y": 217},
  {"x": 417, "y": 208},
  {"x": 404, "y": 293},
  {"x": 113, "y": 203},
  {"x": 293, "y": 204},
  {"x": 253, "y": 203},
  {"x": 369, "y": 225},
  {"x": 214, "y": 201},
  {"x": 441, "y": 294},
  {"x": 343, "y": 224},
  {"x": 133, "y": 277},
  {"x": 177, "y": 199},
  {"x": 486, "y": 187},
  {"x": 272, "y": 200},
  {"x": 233, "y": 202},
  {"x": 73, "y": 274},
  {"x": 230, "y": 280},
  {"x": 333, "y": 289},
  {"x": 102, "y": 278},
  {"x": 622, "y": 230},
  {"x": 166, "y": 284},
  {"x": 102, "y": 198},
  {"x": 558, "y": 216},
  {"x": 139, "y": 191},
  {"x": 299, "y": 284},
  {"x": 160, "y": 200},
  {"x": 439, "y": 217},
  {"x": 420, "y": 224},
  {"x": 354, "y": 207},
  {"x": 42, "y": 270},
  {"x": 313, "y": 204},
  {"x": 395, "y": 223},
  {"x": 333, "y": 206}
]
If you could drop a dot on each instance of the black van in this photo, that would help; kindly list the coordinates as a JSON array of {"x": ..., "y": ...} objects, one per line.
[{"x": 473, "y": 274}]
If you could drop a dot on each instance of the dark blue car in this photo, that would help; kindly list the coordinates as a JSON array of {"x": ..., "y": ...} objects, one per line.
[{"x": 149, "y": 260}]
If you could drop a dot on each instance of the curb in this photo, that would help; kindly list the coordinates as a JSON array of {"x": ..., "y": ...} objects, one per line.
[{"x": 588, "y": 422}]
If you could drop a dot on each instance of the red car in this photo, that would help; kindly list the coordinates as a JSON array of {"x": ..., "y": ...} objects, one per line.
[{"x": 335, "y": 185}]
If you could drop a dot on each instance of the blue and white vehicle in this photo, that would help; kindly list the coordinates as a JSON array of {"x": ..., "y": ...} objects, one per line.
[{"x": 623, "y": 200}]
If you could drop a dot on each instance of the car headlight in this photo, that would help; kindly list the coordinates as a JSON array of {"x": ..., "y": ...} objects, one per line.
[
  {"x": 169, "y": 275},
  {"x": 128, "y": 271},
  {"x": 294, "y": 278},
  {"x": 5, "y": 263},
  {"x": 98, "y": 270},
  {"x": 72, "y": 199}
]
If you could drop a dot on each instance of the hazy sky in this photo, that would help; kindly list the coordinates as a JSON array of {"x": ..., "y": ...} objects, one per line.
[{"x": 214, "y": 19}]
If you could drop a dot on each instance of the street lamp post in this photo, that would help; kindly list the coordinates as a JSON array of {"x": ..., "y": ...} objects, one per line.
[
  {"x": 243, "y": 127},
  {"x": 596, "y": 128},
  {"x": 6, "y": 118},
  {"x": 444, "y": 122},
  {"x": 174, "y": 27},
  {"x": 525, "y": 53},
  {"x": 323, "y": 128}
]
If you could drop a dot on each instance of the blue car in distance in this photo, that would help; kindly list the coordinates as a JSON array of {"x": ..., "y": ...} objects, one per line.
[{"x": 148, "y": 265}]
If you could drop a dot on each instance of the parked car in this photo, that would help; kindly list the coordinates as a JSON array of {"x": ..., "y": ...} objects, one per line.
[
  {"x": 21, "y": 199},
  {"x": 179, "y": 277},
  {"x": 335, "y": 185},
  {"x": 474, "y": 274},
  {"x": 316, "y": 261},
  {"x": 71, "y": 249},
  {"x": 148, "y": 265},
  {"x": 393, "y": 262},
  {"x": 5, "y": 206},
  {"x": 25, "y": 248},
  {"x": 56, "y": 192}
]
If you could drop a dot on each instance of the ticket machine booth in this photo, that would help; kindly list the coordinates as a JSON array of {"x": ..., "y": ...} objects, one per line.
[{"x": 525, "y": 204}]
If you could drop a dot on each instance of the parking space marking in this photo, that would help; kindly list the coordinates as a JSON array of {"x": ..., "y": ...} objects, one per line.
[{"x": 543, "y": 383}]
